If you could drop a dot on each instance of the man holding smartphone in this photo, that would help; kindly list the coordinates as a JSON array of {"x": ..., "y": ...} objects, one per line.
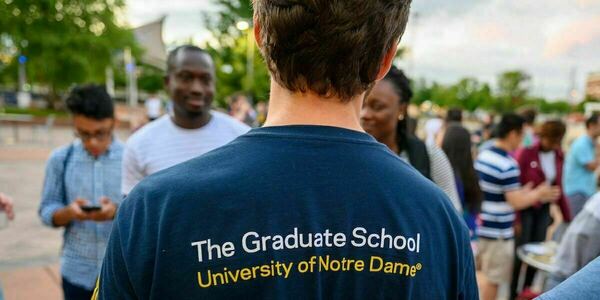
[{"x": 82, "y": 189}]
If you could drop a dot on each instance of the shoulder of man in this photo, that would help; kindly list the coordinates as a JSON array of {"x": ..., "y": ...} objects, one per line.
[
  {"x": 230, "y": 122},
  {"x": 147, "y": 132},
  {"x": 59, "y": 154},
  {"x": 503, "y": 162},
  {"x": 580, "y": 141},
  {"x": 118, "y": 146},
  {"x": 173, "y": 178}
]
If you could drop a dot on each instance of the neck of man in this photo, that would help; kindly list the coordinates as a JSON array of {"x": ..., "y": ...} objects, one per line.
[
  {"x": 287, "y": 108},
  {"x": 504, "y": 145},
  {"x": 186, "y": 121}
]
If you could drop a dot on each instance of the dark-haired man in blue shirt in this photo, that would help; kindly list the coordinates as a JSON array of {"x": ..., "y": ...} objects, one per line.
[{"x": 82, "y": 189}]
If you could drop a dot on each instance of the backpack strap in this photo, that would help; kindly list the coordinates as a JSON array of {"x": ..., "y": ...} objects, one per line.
[{"x": 64, "y": 174}]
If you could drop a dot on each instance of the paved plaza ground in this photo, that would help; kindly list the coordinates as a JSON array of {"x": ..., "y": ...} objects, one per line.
[{"x": 29, "y": 251}]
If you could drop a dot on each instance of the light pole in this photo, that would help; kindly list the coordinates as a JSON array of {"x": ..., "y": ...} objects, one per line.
[
  {"x": 245, "y": 26},
  {"x": 23, "y": 96},
  {"x": 130, "y": 69},
  {"x": 22, "y": 73}
]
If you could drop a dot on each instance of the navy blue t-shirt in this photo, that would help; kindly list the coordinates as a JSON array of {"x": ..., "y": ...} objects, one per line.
[{"x": 290, "y": 212}]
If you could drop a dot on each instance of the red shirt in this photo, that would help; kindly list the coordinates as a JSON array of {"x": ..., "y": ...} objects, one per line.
[{"x": 531, "y": 171}]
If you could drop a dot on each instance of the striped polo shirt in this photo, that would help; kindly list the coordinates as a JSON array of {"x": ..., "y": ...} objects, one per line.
[{"x": 498, "y": 174}]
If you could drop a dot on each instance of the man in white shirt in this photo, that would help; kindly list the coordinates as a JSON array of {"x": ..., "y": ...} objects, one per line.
[{"x": 193, "y": 128}]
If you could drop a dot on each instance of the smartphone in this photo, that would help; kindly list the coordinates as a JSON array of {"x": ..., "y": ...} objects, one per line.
[{"x": 91, "y": 208}]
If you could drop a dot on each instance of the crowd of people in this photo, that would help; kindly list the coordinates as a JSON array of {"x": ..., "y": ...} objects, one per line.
[
  {"x": 507, "y": 193},
  {"x": 334, "y": 196}
]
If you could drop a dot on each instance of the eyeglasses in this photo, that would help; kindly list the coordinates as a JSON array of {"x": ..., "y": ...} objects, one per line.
[{"x": 100, "y": 135}]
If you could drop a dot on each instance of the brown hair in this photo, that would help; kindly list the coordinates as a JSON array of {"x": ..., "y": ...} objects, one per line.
[
  {"x": 553, "y": 130},
  {"x": 329, "y": 47}
]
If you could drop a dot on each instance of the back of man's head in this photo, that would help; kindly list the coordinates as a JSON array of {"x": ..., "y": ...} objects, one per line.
[
  {"x": 454, "y": 114},
  {"x": 330, "y": 48},
  {"x": 591, "y": 121},
  {"x": 91, "y": 101},
  {"x": 510, "y": 122},
  {"x": 529, "y": 114}
]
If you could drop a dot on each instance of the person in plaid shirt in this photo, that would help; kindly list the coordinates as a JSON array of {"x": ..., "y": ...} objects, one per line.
[{"x": 82, "y": 189}]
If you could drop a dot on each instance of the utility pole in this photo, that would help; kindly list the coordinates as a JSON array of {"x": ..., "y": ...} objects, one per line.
[{"x": 130, "y": 69}]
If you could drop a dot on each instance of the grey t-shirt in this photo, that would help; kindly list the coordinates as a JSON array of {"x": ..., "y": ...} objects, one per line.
[
  {"x": 585, "y": 284},
  {"x": 581, "y": 242}
]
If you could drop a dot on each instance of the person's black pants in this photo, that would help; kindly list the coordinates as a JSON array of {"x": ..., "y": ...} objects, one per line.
[
  {"x": 534, "y": 225},
  {"x": 73, "y": 292}
]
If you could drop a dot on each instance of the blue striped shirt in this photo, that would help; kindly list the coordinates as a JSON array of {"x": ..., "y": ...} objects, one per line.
[
  {"x": 498, "y": 174},
  {"x": 91, "y": 179}
]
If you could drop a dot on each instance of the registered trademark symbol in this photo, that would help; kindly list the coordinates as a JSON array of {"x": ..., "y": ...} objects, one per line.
[{"x": 419, "y": 267}]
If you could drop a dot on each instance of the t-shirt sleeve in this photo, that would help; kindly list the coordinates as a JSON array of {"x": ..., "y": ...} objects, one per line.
[
  {"x": 132, "y": 170},
  {"x": 510, "y": 179},
  {"x": 469, "y": 289},
  {"x": 583, "y": 155},
  {"x": 114, "y": 281},
  {"x": 53, "y": 193}
]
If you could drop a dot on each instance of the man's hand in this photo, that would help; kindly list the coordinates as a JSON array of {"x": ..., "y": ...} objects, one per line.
[
  {"x": 75, "y": 211},
  {"x": 547, "y": 193},
  {"x": 6, "y": 204},
  {"x": 107, "y": 212}
]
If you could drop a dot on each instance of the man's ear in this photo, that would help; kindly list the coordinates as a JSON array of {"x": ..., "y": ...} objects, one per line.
[{"x": 387, "y": 61}]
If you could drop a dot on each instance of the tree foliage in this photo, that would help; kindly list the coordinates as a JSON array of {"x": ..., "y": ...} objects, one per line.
[
  {"x": 470, "y": 94},
  {"x": 513, "y": 89},
  {"x": 65, "y": 41},
  {"x": 230, "y": 49}
]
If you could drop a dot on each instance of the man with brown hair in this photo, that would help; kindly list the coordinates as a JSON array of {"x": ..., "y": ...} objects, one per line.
[{"x": 309, "y": 206}]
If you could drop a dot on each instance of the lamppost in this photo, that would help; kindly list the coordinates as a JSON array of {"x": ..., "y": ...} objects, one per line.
[
  {"x": 130, "y": 69},
  {"x": 22, "y": 73},
  {"x": 23, "y": 96},
  {"x": 246, "y": 26}
]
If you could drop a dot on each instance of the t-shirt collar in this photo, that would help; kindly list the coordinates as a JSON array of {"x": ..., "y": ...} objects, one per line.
[{"x": 313, "y": 131}]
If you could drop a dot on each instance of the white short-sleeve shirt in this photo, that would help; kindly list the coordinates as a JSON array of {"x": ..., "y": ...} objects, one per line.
[{"x": 162, "y": 144}]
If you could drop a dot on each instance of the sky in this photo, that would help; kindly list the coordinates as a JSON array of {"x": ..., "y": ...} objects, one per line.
[{"x": 557, "y": 42}]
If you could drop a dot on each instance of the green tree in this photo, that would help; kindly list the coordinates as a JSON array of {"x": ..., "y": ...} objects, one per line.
[
  {"x": 232, "y": 48},
  {"x": 468, "y": 94},
  {"x": 588, "y": 99},
  {"x": 151, "y": 79},
  {"x": 513, "y": 89},
  {"x": 65, "y": 41},
  {"x": 471, "y": 94},
  {"x": 421, "y": 91}
]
